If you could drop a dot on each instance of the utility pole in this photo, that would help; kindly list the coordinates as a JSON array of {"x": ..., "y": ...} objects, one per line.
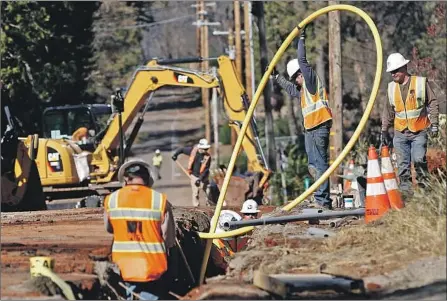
[
  {"x": 238, "y": 38},
  {"x": 269, "y": 134},
  {"x": 238, "y": 42},
  {"x": 335, "y": 89},
  {"x": 198, "y": 37},
  {"x": 204, "y": 54},
  {"x": 215, "y": 123},
  {"x": 248, "y": 48}
]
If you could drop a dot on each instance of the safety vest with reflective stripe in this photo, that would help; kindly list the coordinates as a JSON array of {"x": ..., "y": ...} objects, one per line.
[
  {"x": 156, "y": 160},
  {"x": 192, "y": 157},
  {"x": 315, "y": 107},
  {"x": 136, "y": 213},
  {"x": 412, "y": 113}
]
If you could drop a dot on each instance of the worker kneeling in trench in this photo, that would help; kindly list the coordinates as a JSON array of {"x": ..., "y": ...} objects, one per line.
[{"x": 143, "y": 228}]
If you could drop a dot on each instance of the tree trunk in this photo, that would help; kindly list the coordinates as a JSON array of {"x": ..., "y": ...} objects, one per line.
[{"x": 269, "y": 134}]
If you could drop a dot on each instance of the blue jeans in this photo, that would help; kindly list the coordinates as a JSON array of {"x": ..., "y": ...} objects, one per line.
[
  {"x": 316, "y": 142},
  {"x": 147, "y": 290},
  {"x": 410, "y": 147}
]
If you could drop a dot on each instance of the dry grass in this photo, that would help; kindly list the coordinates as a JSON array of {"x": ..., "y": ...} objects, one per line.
[
  {"x": 397, "y": 239},
  {"x": 418, "y": 228}
]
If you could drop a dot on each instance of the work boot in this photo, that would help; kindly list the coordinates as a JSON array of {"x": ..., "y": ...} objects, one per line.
[{"x": 316, "y": 205}]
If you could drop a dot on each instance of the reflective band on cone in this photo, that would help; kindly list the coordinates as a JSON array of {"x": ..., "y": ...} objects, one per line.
[
  {"x": 376, "y": 203},
  {"x": 389, "y": 176},
  {"x": 347, "y": 185}
]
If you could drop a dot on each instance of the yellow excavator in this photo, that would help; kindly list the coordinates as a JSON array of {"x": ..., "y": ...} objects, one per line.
[
  {"x": 90, "y": 166},
  {"x": 21, "y": 186}
]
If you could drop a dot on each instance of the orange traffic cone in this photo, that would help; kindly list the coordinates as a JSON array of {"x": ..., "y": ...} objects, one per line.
[
  {"x": 389, "y": 178},
  {"x": 348, "y": 183},
  {"x": 376, "y": 203}
]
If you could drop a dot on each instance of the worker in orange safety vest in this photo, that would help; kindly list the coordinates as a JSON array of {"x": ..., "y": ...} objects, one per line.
[
  {"x": 143, "y": 228},
  {"x": 198, "y": 169},
  {"x": 413, "y": 107},
  {"x": 306, "y": 85}
]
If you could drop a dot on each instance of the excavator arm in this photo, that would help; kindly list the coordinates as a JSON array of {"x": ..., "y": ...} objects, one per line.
[{"x": 158, "y": 73}]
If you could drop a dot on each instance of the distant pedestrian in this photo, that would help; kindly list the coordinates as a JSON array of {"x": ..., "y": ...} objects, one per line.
[{"x": 157, "y": 160}]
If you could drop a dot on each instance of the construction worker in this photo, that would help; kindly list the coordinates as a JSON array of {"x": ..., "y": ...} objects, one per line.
[
  {"x": 80, "y": 135},
  {"x": 157, "y": 160},
  {"x": 198, "y": 169},
  {"x": 143, "y": 228},
  {"x": 224, "y": 248},
  {"x": 307, "y": 86},
  {"x": 250, "y": 210},
  {"x": 413, "y": 107}
]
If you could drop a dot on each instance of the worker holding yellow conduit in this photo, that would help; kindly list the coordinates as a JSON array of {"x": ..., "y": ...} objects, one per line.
[{"x": 307, "y": 86}]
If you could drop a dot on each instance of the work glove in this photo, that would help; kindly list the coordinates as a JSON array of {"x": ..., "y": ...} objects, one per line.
[
  {"x": 303, "y": 33},
  {"x": 385, "y": 138},
  {"x": 434, "y": 130},
  {"x": 274, "y": 73},
  {"x": 174, "y": 157},
  {"x": 197, "y": 183}
]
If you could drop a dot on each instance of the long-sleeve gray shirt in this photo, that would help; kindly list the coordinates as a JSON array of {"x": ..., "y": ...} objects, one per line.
[
  {"x": 310, "y": 76},
  {"x": 431, "y": 104}
]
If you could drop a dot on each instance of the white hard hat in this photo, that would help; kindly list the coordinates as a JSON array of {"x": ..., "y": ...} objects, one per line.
[
  {"x": 157, "y": 151},
  {"x": 133, "y": 164},
  {"x": 250, "y": 206},
  {"x": 292, "y": 67},
  {"x": 395, "y": 61},
  {"x": 226, "y": 216},
  {"x": 203, "y": 144}
]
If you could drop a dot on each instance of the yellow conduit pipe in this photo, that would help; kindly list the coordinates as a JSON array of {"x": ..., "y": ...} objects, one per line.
[{"x": 211, "y": 235}]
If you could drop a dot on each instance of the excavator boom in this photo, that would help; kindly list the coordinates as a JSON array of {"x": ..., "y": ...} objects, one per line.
[{"x": 156, "y": 74}]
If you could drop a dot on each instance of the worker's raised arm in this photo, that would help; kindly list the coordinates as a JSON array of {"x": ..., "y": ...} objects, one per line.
[
  {"x": 288, "y": 86},
  {"x": 310, "y": 77}
]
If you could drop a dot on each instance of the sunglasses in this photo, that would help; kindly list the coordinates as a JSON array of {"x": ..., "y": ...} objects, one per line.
[
  {"x": 395, "y": 71},
  {"x": 251, "y": 214}
]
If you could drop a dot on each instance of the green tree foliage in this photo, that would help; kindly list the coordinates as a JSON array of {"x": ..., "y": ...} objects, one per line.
[
  {"x": 117, "y": 48},
  {"x": 45, "y": 55},
  {"x": 429, "y": 53}
]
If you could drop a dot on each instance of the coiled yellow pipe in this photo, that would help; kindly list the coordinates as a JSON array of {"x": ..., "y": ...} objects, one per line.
[{"x": 211, "y": 235}]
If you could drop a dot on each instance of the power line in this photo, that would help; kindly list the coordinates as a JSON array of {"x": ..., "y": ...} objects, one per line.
[{"x": 147, "y": 25}]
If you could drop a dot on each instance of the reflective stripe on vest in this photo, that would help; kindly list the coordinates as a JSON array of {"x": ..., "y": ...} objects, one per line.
[
  {"x": 412, "y": 113},
  {"x": 136, "y": 213},
  {"x": 138, "y": 246},
  {"x": 315, "y": 107},
  {"x": 192, "y": 157}
]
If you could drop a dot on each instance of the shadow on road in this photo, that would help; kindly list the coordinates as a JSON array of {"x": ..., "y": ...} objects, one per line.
[
  {"x": 433, "y": 291},
  {"x": 165, "y": 140},
  {"x": 165, "y": 186}
]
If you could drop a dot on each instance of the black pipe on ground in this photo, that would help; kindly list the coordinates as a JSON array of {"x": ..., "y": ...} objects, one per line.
[{"x": 290, "y": 218}]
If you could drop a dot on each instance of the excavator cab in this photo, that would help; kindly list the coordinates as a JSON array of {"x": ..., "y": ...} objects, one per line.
[{"x": 82, "y": 124}]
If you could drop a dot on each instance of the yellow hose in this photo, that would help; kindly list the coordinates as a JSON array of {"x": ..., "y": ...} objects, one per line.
[{"x": 211, "y": 235}]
